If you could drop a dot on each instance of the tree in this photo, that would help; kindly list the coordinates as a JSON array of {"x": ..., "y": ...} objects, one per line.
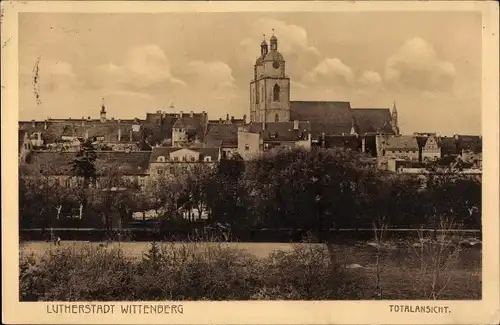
[
  {"x": 41, "y": 197},
  {"x": 309, "y": 190},
  {"x": 226, "y": 193},
  {"x": 83, "y": 165},
  {"x": 111, "y": 196}
]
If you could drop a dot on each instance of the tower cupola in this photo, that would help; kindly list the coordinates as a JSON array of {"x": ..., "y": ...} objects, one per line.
[
  {"x": 263, "y": 47},
  {"x": 274, "y": 42}
]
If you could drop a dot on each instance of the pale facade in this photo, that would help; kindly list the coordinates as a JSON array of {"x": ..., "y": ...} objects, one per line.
[
  {"x": 249, "y": 144},
  {"x": 431, "y": 150}
]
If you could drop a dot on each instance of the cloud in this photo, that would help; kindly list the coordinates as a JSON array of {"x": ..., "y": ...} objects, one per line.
[
  {"x": 143, "y": 67},
  {"x": 331, "y": 71},
  {"x": 370, "y": 79},
  {"x": 416, "y": 65},
  {"x": 213, "y": 78}
]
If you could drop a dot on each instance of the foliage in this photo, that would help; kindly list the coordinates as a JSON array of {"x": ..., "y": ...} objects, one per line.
[
  {"x": 83, "y": 165},
  {"x": 306, "y": 191},
  {"x": 217, "y": 271}
]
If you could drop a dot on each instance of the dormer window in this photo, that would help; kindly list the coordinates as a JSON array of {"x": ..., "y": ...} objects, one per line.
[
  {"x": 160, "y": 159},
  {"x": 208, "y": 158},
  {"x": 192, "y": 158}
]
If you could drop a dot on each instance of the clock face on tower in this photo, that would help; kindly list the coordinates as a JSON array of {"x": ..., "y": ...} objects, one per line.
[{"x": 276, "y": 64}]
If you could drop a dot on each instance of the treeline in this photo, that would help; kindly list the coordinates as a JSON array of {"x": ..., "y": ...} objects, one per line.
[{"x": 312, "y": 191}]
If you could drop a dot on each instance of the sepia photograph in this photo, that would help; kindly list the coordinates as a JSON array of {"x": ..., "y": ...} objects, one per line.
[{"x": 251, "y": 155}]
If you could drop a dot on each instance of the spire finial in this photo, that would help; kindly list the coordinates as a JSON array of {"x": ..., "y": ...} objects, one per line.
[
  {"x": 273, "y": 31},
  {"x": 264, "y": 36}
]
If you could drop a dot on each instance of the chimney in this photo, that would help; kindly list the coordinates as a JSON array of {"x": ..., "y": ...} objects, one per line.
[
  {"x": 86, "y": 134},
  {"x": 227, "y": 117},
  {"x": 191, "y": 114},
  {"x": 119, "y": 135},
  {"x": 33, "y": 123},
  {"x": 232, "y": 118},
  {"x": 118, "y": 121},
  {"x": 220, "y": 120},
  {"x": 83, "y": 120},
  {"x": 45, "y": 125},
  {"x": 263, "y": 125},
  {"x": 180, "y": 114},
  {"x": 88, "y": 118},
  {"x": 244, "y": 119},
  {"x": 295, "y": 124}
]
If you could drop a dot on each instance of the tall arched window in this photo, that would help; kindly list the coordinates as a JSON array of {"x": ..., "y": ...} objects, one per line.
[
  {"x": 262, "y": 94},
  {"x": 276, "y": 118},
  {"x": 276, "y": 93}
]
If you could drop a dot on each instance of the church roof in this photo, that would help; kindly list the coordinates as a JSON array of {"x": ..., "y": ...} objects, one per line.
[
  {"x": 328, "y": 128},
  {"x": 336, "y": 117},
  {"x": 320, "y": 111},
  {"x": 371, "y": 120}
]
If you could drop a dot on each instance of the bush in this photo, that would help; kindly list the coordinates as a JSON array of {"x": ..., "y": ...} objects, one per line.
[
  {"x": 305, "y": 273},
  {"x": 209, "y": 271}
]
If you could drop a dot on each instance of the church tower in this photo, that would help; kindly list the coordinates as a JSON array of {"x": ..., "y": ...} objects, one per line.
[
  {"x": 270, "y": 87},
  {"x": 394, "y": 119}
]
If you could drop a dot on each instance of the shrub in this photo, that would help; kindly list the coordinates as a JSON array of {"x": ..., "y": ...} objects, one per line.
[{"x": 305, "y": 273}]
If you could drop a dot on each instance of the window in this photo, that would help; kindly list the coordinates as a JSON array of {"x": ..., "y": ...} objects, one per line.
[
  {"x": 276, "y": 93},
  {"x": 160, "y": 159},
  {"x": 262, "y": 94},
  {"x": 192, "y": 158},
  {"x": 176, "y": 158},
  {"x": 247, "y": 147},
  {"x": 183, "y": 158},
  {"x": 160, "y": 171},
  {"x": 276, "y": 118},
  {"x": 208, "y": 158}
]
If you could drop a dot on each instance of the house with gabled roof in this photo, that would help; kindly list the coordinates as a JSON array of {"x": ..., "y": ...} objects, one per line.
[
  {"x": 397, "y": 146},
  {"x": 169, "y": 160}
]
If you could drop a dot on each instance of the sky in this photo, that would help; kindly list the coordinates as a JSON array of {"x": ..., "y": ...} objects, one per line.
[{"x": 429, "y": 63}]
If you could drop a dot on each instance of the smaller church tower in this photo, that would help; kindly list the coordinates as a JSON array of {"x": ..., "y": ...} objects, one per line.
[
  {"x": 103, "y": 112},
  {"x": 263, "y": 47},
  {"x": 394, "y": 119}
]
